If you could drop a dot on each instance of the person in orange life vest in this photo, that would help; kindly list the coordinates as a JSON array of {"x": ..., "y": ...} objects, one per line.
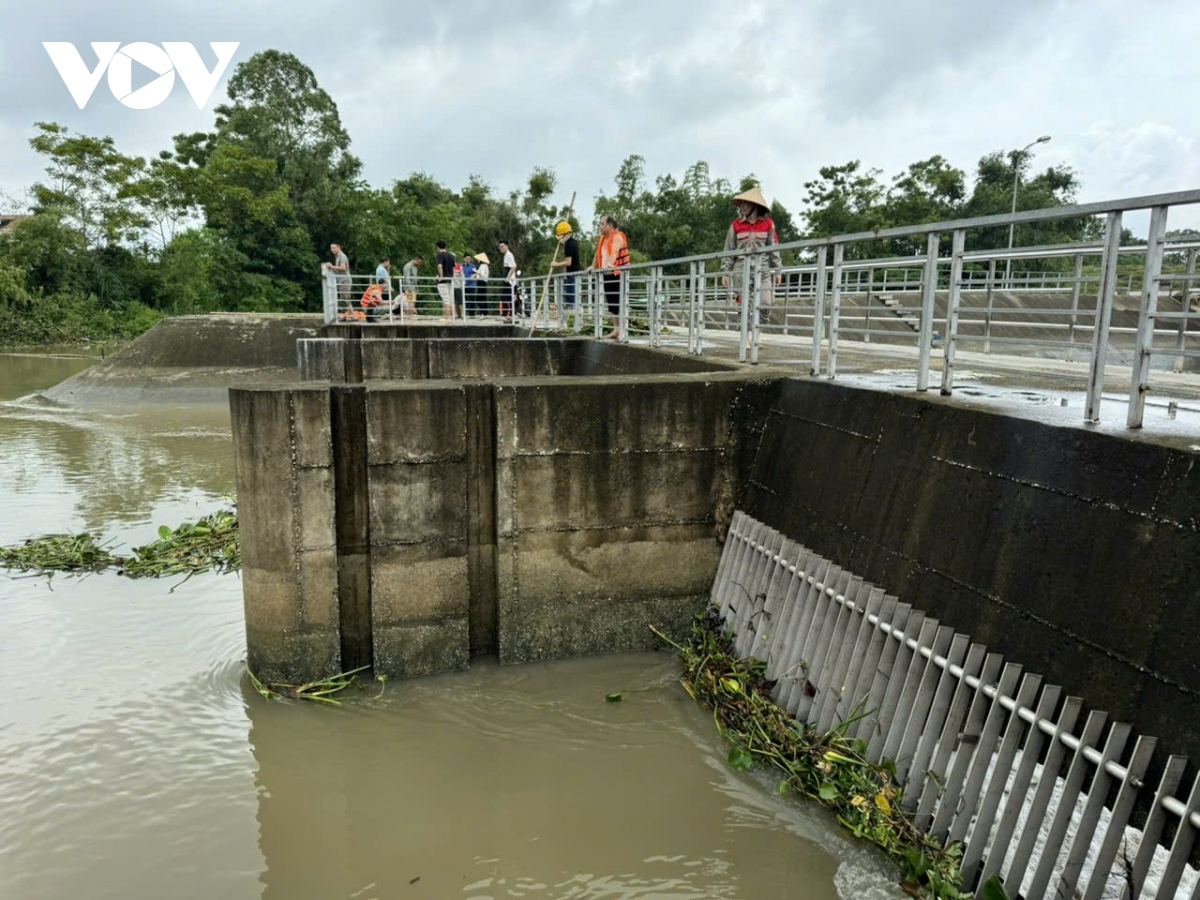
[
  {"x": 752, "y": 230},
  {"x": 372, "y": 299},
  {"x": 612, "y": 253}
]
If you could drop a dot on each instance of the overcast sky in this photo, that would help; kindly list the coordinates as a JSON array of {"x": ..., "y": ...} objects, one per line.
[{"x": 774, "y": 87}]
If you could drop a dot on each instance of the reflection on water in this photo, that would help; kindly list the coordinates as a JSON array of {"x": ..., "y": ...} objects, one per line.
[
  {"x": 136, "y": 762},
  {"x": 24, "y": 373},
  {"x": 79, "y": 469}
]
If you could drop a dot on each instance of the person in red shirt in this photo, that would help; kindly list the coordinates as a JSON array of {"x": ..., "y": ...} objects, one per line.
[{"x": 752, "y": 230}]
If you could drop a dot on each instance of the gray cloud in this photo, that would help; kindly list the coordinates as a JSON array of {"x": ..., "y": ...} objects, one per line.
[{"x": 766, "y": 86}]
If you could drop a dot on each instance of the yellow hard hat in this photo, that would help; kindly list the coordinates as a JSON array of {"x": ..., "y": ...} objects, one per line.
[{"x": 563, "y": 227}]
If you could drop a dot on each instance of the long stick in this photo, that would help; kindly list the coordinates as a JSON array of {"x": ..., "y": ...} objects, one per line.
[{"x": 546, "y": 287}]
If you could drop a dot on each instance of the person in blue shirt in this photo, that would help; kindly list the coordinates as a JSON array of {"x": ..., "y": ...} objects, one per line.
[{"x": 468, "y": 271}]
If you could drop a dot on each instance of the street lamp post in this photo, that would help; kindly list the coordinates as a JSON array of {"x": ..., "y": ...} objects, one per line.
[{"x": 1016, "y": 180}]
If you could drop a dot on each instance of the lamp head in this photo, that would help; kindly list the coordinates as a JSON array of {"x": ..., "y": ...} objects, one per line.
[{"x": 1043, "y": 139}]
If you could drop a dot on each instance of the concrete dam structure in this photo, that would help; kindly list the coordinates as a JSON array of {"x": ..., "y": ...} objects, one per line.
[
  {"x": 535, "y": 499},
  {"x": 423, "y": 499}
]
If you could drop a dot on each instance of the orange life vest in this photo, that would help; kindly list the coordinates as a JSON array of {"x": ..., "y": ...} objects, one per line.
[{"x": 372, "y": 296}]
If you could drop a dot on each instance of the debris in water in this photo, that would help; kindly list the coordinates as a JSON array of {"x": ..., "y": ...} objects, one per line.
[
  {"x": 320, "y": 691},
  {"x": 613, "y": 698},
  {"x": 51, "y": 553},
  {"x": 209, "y": 544},
  {"x": 829, "y": 767}
]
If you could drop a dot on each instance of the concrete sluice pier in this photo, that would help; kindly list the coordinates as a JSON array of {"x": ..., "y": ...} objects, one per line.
[{"x": 424, "y": 500}]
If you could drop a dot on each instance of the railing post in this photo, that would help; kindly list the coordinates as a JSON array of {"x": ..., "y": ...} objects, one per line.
[
  {"x": 929, "y": 279},
  {"x": 987, "y": 316},
  {"x": 744, "y": 309},
  {"x": 623, "y": 287},
  {"x": 835, "y": 307},
  {"x": 867, "y": 305},
  {"x": 691, "y": 295},
  {"x": 581, "y": 288},
  {"x": 1184, "y": 308},
  {"x": 1104, "y": 305},
  {"x": 599, "y": 301},
  {"x": 1145, "y": 345},
  {"x": 1075, "y": 291},
  {"x": 656, "y": 279},
  {"x": 701, "y": 293},
  {"x": 956, "y": 270},
  {"x": 756, "y": 294},
  {"x": 818, "y": 311}
]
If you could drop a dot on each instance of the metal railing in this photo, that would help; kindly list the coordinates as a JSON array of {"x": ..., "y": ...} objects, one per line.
[
  {"x": 944, "y": 299},
  {"x": 816, "y": 300},
  {"x": 366, "y": 299},
  {"x": 966, "y": 730}
]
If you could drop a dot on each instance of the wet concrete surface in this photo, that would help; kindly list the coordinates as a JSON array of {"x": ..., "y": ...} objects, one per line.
[{"x": 1052, "y": 391}]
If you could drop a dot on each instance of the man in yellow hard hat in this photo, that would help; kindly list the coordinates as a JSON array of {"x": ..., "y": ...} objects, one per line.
[{"x": 570, "y": 262}]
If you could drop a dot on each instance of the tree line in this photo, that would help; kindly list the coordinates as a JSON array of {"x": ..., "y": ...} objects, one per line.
[{"x": 239, "y": 217}]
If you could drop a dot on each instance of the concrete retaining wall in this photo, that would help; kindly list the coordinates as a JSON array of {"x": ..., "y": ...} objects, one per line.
[
  {"x": 1070, "y": 550},
  {"x": 607, "y": 493},
  {"x": 390, "y": 359},
  {"x": 379, "y": 358},
  {"x": 282, "y": 444},
  {"x": 534, "y": 518}
]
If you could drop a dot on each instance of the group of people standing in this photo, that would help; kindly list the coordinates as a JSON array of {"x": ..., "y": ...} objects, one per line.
[{"x": 464, "y": 288}]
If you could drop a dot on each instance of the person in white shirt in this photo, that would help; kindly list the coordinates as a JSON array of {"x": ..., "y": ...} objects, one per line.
[
  {"x": 479, "y": 278},
  {"x": 508, "y": 308}
]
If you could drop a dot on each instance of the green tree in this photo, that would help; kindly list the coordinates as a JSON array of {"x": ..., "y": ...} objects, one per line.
[
  {"x": 930, "y": 190},
  {"x": 846, "y": 199},
  {"x": 993, "y": 194},
  {"x": 88, "y": 184}
]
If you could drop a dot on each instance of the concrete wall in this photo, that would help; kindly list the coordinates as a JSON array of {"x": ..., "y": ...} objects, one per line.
[
  {"x": 373, "y": 331},
  {"x": 611, "y": 358},
  {"x": 376, "y": 358},
  {"x": 534, "y": 518},
  {"x": 608, "y": 491},
  {"x": 388, "y": 359},
  {"x": 420, "y": 585},
  {"x": 285, "y": 473},
  {"x": 1069, "y": 551}
]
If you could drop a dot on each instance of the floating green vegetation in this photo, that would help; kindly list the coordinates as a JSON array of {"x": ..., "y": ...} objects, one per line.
[
  {"x": 58, "y": 553},
  {"x": 210, "y": 544},
  {"x": 321, "y": 691},
  {"x": 831, "y": 768}
]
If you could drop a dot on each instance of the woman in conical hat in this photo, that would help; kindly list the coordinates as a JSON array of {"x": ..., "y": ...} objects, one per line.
[{"x": 751, "y": 231}]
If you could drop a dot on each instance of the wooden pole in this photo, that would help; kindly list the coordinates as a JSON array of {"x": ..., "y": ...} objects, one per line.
[{"x": 542, "y": 304}]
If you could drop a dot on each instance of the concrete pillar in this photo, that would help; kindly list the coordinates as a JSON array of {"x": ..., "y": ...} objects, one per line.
[
  {"x": 606, "y": 496},
  {"x": 420, "y": 579},
  {"x": 285, "y": 484}
]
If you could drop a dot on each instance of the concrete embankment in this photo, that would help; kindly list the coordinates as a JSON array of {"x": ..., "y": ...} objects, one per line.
[{"x": 192, "y": 359}]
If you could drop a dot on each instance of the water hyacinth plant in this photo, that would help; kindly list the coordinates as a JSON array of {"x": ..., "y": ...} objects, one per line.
[{"x": 829, "y": 767}]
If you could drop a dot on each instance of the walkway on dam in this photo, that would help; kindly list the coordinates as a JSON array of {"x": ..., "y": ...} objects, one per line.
[{"x": 1052, "y": 391}]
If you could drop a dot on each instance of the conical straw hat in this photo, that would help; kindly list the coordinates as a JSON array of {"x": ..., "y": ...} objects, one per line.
[
  {"x": 483, "y": 258},
  {"x": 754, "y": 195}
]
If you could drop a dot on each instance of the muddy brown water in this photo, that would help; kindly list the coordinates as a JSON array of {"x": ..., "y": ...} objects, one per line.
[{"x": 137, "y": 762}]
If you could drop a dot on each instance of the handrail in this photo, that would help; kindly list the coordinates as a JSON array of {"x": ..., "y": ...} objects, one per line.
[{"x": 692, "y": 296}]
